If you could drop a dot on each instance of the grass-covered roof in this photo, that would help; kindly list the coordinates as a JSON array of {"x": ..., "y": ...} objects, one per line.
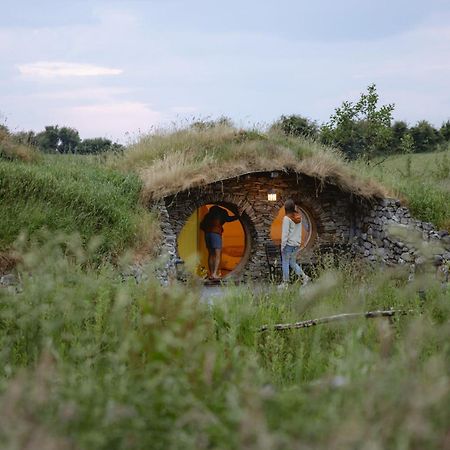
[{"x": 170, "y": 162}]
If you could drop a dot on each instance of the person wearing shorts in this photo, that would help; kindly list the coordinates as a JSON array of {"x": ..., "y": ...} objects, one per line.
[{"x": 212, "y": 225}]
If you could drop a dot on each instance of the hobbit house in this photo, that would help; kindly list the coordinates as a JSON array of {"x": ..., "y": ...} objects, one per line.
[{"x": 333, "y": 219}]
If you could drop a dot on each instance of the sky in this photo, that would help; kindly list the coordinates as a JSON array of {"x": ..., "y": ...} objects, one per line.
[{"x": 121, "y": 68}]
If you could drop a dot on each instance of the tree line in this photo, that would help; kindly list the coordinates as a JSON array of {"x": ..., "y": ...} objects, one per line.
[
  {"x": 64, "y": 140},
  {"x": 365, "y": 130},
  {"x": 362, "y": 129}
]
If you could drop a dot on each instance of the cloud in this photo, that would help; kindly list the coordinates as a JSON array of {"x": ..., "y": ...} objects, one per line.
[
  {"x": 111, "y": 119},
  {"x": 49, "y": 69},
  {"x": 92, "y": 93}
]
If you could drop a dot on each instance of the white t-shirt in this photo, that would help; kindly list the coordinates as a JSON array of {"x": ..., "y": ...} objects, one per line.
[{"x": 291, "y": 233}]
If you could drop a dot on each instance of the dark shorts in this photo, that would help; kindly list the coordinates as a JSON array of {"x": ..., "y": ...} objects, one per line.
[{"x": 213, "y": 241}]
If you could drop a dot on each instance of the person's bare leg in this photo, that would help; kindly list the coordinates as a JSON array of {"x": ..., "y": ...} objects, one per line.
[
  {"x": 217, "y": 258},
  {"x": 210, "y": 262}
]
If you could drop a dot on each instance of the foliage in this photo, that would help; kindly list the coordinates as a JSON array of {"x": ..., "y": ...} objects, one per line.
[
  {"x": 399, "y": 130},
  {"x": 295, "y": 125},
  {"x": 445, "y": 131},
  {"x": 10, "y": 149},
  {"x": 208, "y": 124},
  {"x": 361, "y": 128},
  {"x": 72, "y": 195},
  {"x": 69, "y": 139},
  {"x": 66, "y": 140},
  {"x": 406, "y": 145},
  {"x": 97, "y": 145},
  {"x": 89, "y": 360},
  {"x": 425, "y": 136},
  {"x": 48, "y": 139},
  {"x": 25, "y": 137}
]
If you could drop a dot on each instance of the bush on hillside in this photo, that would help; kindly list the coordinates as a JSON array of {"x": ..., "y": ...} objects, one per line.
[
  {"x": 12, "y": 150},
  {"x": 426, "y": 137},
  {"x": 360, "y": 129},
  {"x": 98, "y": 145},
  {"x": 295, "y": 125},
  {"x": 444, "y": 131}
]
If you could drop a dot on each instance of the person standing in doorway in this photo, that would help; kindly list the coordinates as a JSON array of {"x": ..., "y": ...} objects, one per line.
[
  {"x": 212, "y": 224},
  {"x": 291, "y": 239}
]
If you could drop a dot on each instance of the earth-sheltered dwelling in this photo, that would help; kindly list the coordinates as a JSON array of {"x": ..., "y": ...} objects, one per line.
[
  {"x": 333, "y": 220},
  {"x": 341, "y": 211}
]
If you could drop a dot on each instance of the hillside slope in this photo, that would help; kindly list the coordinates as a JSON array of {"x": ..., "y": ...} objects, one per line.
[
  {"x": 421, "y": 179},
  {"x": 72, "y": 195}
]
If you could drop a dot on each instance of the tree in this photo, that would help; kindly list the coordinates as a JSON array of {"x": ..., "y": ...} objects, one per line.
[
  {"x": 69, "y": 139},
  {"x": 399, "y": 130},
  {"x": 26, "y": 138},
  {"x": 362, "y": 128},
  {"x": 445, "y": 131},
  {"x": 406, "y": 144},
  {"x": 426, "y": 137},
  {"x": 295, "y": 125},
  {"x": 48, "y": 139},
  {"x": 97, "y": 145}
]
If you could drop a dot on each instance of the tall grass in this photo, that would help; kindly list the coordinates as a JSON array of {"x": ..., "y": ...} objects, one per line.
[
  {"x": 89, "y": 360},
  {"x": 72, "y": 194}
]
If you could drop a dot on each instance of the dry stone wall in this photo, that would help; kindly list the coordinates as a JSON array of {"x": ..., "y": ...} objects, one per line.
[{"x": 387, "y": 233}]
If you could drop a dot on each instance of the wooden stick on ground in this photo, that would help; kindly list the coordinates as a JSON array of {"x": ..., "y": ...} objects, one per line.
[{"x": 337, "y": 318}]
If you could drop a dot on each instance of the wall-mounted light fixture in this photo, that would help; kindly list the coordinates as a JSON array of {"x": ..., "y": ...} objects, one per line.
[{"x": 271, "y": 196}]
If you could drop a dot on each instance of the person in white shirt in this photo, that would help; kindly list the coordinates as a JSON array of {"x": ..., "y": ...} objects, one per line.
[{"x": 291, "y": 239}]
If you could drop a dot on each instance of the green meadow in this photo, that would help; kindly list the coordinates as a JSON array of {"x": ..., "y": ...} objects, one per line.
[{"x": 90, "y": 359}]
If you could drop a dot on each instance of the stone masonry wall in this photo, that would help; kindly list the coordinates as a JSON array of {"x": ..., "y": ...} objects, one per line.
[
  {"x": 386, "y": 233},
  {"x": 329, "y": 208},
  {"x": 359, "y": 227}
]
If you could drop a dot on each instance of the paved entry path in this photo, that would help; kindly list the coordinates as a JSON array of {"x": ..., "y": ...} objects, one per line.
[{"x": 211, "y": 294}]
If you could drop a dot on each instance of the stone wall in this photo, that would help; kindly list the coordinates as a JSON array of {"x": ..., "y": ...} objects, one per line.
[
  {"x": 386, "y": 233},
  {"x": 329, "y": 208}
]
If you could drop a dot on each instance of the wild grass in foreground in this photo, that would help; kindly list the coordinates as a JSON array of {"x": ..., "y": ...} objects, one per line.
[{"x": 90, "y": 360}]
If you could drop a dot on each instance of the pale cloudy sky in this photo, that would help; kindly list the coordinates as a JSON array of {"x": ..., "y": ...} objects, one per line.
[{"x": 112, "y": 67}]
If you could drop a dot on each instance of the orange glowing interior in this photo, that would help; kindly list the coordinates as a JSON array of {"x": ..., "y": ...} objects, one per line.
[{"x": 192, "y": 248}]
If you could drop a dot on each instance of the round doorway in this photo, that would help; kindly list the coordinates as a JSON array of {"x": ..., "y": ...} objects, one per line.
[
  {"x": 192, "y": 246},
  {"x": 308, "y": 228}
]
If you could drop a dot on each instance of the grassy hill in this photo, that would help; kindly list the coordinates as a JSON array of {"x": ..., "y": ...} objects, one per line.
[
  {"x": 89, "y": 359},
  {"x": 422, "y": 180},
  {"x": 96, "y": 196},
  {"x": 168, "y": 162},
  {"x": 70, "y": 194}
]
